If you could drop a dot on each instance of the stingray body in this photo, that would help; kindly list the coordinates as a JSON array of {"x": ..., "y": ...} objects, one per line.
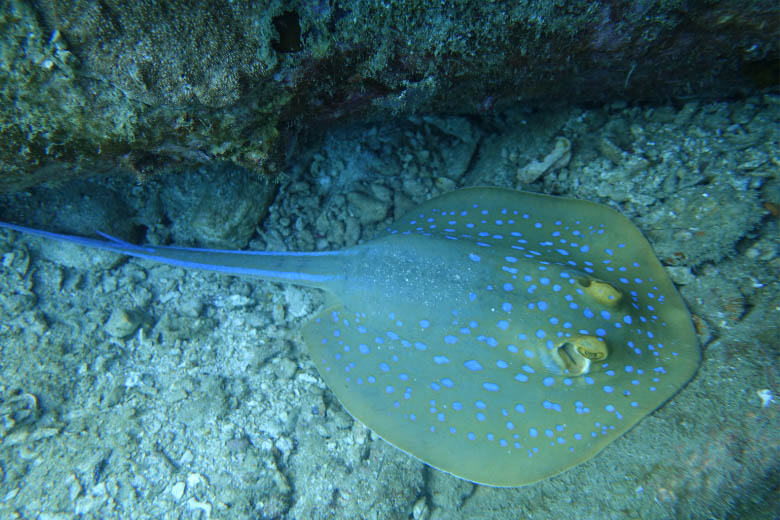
[{"x": 497, "y": 335}]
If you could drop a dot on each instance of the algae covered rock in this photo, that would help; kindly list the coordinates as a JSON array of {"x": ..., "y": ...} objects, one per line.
[{"x": 125, "y": 87}]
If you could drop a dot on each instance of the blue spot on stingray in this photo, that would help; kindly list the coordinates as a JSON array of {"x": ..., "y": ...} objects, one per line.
[
  {"x": 457, "y": 405},
  {"x": 440, "y": 360},
  {"x": 446, "y": 381},
  {"x": 384, "y": 367},
  {"x": 503, "y": 324},
  {"x": 501, "y": 363},
  {"x": 425, "y": 324},
  {"x": 532, "y": 432},
  {"x": 363, "y": 348},
  {"x": 449, "y": 339},
  {"x": 548, "y": 381},
  {"x": 473, "y": 365},
  {"x": 490, "y": 387}
]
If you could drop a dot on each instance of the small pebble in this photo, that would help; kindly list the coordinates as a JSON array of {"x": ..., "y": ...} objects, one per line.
[
  {"x": 122, "y": 323},
  {"x": 367, "y": 208},
  {"x": 681, "y": 275},
  {"x": 235, "y": 301},
  {"x": 177, "y": 491},
  {"x": 420, "y": 509}
]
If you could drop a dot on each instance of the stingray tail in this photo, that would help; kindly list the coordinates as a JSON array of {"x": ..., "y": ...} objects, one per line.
[{"x": 310, "y": 269}]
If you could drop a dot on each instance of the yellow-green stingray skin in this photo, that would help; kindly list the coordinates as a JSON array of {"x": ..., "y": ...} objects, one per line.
[{"x": 453, "y": 335}]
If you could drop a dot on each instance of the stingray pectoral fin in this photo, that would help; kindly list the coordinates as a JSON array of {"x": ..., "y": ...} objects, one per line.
[
  {"x": 357, "y": 363},
  {"x": 433, "y": 402}
]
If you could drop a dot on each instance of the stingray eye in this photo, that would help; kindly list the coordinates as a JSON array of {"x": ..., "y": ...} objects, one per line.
[
  {"x": 603, "y": 292},
  {"x": 591, "y": 354},
  {"x": 575, "y": 356}
]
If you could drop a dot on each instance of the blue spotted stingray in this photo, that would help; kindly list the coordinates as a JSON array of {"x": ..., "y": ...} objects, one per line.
[{"x": 497, "y": 335}]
